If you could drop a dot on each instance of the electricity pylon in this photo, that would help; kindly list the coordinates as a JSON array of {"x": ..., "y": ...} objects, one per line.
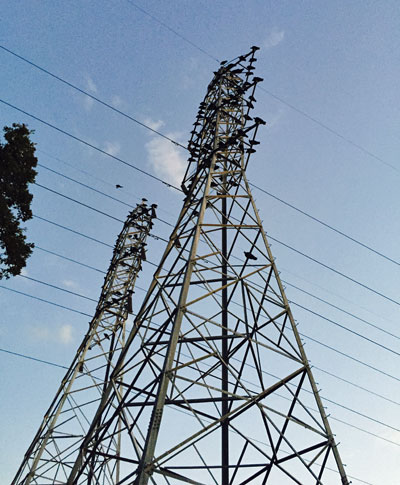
[
  {"x": 213, "y": 385},
  {"x": 54, "y": 448}
]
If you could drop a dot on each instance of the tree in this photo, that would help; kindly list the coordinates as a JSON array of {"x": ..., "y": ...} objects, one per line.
[{"x": 17, "y": 170}]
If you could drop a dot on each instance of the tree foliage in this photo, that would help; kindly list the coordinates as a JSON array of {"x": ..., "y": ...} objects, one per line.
[{"x": 17, "y": 170}]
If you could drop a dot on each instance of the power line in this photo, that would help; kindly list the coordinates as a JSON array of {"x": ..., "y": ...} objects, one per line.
[
  {"x": 173, "y": 31},
  {"x": 342, "y": 310},
  {"x": 380, "y": 294},
  {"x": 95, "y": 190},
  {"x": 368, "y": 248},
  {"x": 17, "y": 354},
  {"x": 177, "y": 188},
  {"x": 270, "y": 237},
  {"x": 79, "y": 202},
  {"x": 356, "y": 385},
  {"x": 84, "y": 142},
  {"x": 315, "y": 219},
  {"x": 283, "y": 281},
  {"x": 303, "y": 335},
  {"x": 344, "y": 354},
  {"x": 178, "y": 144},
  {"x": 57, "y": 288},
  {"x": 72, "y": 230},
  {"x": 82, "y": 296},
  {"x": 69, "y": 259},
  {"x": 314, "y": 296},
  {"x": 331, "y": 130},
  {"x": 85, "y": 185},
  {"x": 372, "y": 341},
  {"x": 45, "y": 301},
  {"x": 182, "y": 146},
  {"x": 335, "y": 271},
  {"x": 325, "y": 318},
  {"x": 277, "y": 98},
  {"x": 109, "y": 106},
  {"x": 64, "y": 367},
  {"x": 67, "y": 308},
  {"x": 337, "y": 295}
]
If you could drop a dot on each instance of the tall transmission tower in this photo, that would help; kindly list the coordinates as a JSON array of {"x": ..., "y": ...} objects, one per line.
[
  {"x": 213, "y": 385},
  {"x": 65, "y": 424}
]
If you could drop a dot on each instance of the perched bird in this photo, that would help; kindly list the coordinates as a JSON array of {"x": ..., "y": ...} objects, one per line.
[
  {"x": 117, "y": 186},
  {"x": 259, "y": 121},
  {"x": 250, "y": 256}
]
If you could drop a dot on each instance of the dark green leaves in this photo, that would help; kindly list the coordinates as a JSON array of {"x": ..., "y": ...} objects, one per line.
[{"x": 17, "y": 170}]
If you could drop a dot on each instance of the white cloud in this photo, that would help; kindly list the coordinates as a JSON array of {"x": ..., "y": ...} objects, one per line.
[
  {"x": 91, "y": 85},
  {"x": 274, "y": 38},
  {"x": 275, "y": 118},
  {"x": 112, "y": 148},
  {"x": 116, "y": 101},
  {"x": 70, "y": 284},
  {"x": 62, "y": 334},
  {"x": 65, "y": 334},
  {"x": 154, "y": 125},
  {"x": 92, "y": 88},
  {"x": 166, "y": 160}
]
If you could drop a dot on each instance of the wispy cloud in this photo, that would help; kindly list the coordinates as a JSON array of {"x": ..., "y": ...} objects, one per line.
[
  {"x": 154, "y": 125},
  {"x": 65, "y": 334},
  {"x": 92, "y": 88},
  {"x": 116, "y": 101},
  {"x": 165, "y": 159},
  {"x": 112, "y": 148},
  {"x": 70, "y": 284},
  {"x": 274, "y": 38},
  {"x": 61, "y": 334}
]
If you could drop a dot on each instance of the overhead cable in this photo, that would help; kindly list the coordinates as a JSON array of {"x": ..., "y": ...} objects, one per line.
[{"x": 109, "y": 106}]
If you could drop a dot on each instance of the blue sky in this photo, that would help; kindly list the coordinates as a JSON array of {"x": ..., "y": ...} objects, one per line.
[{"x": 330, "y": 148}]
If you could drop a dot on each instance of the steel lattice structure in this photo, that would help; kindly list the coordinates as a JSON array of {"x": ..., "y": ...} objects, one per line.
[
  {"x": 213, "y": 385},
  {"x": 65, "y": 424}
]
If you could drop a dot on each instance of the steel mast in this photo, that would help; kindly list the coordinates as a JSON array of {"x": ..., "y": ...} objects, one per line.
[
  {"x": 215, "y": 384},
  {"x": 53, "y": 450}
]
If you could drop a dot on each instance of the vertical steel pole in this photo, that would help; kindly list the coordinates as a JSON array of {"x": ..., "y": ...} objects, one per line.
[{"x": 224, "y": 368}]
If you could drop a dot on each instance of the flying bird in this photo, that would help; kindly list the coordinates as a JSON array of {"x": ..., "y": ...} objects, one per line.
[{"x": 117, "y": 186}]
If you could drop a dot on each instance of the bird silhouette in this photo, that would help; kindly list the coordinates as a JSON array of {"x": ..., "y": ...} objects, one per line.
[
  {"x": 117, "y": 186},
  {"x": 250, "y": 256}
]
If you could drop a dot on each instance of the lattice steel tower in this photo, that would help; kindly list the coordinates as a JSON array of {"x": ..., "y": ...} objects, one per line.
[
  {"x": 65, "y": 424},
  {"x": 213, "y": 385}
]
